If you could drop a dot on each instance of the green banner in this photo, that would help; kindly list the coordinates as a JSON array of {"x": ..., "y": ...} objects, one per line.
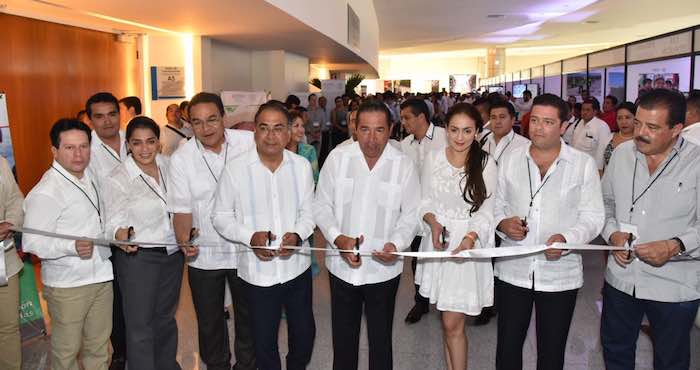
[{"x": 31, "y": 319}]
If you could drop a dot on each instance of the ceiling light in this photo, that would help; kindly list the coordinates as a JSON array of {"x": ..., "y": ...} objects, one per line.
[
  {"x": 494, "y": 16},
  {"x": 592, "y": 22}
]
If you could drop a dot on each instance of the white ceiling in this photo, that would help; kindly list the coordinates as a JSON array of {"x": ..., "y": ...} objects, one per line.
[
  {"x": 251, "y": 24},
  {"x": 419, "y": 26}
]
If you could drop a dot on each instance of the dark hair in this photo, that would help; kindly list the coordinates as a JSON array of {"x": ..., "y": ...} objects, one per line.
[
  {"x": 593, "y": 102},
  {"x": 628, "y": 106},
  {"x": 577, "y": 107},
  {"x": 67, "y": 124},
  {"x": 417, "y": 107},
  {"x": 294, "y": 114},
  {"x": 292, "y": 100},
  {"x": 80, "y": 114},
  {"x": 503, "y": 104},
  {"x": 183, "y": 105},
  {"x": 132, "y": 102},
  {"x": 205, "y": 97},
  {"x": 551, "y": 100},
  {"x": 613, "y": 99},
  {"x": 142, "y": 122},
  {"x": 100, "y": 97},
  {"x": 374, "y": 106},
  {"x": 474, "y": 190},
  {"x": 693, "y": 100},
  {"x": 309, "y": 97},
  {"x": 527, "y": 92},
  {"x": 274, "y": 106},
  {"x": 482, "y": 101},
  {"x": 672, "y": 101}
]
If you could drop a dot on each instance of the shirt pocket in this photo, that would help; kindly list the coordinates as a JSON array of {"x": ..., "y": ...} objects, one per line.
[
  {"x": 676, "y": 198},
  {"x": 588, "y": 142},
  {"x": 389, "y": 196}
]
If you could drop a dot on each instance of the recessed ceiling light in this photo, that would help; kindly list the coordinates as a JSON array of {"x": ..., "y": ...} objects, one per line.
[
  {"x": 493, "y": 16},
  {"x": 592, "y": 22}
]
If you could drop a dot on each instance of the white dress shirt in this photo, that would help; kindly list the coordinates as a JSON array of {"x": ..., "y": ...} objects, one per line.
[
  {"x": 61, "y": 203},
  {"x": 172, "y": 137},
  {"x": 133, "y": 198},
  {"x": 103, "y": 159},
  {"x": 192, "y": 179},
  {"x": 251, "y": 198},
  {"x": 523, "y": 106},
  {"x": 569, "y": 203},
  {"x": 571, "y": 125},
  {"x": 591, "y": 138},
  {"x": 349, "y": 141},
  {"x": 505, "y": 146},
  {"x": 435, "y": 138},
  {"x": 692, "y": 133},
  {"x": 380, "y": 204}
]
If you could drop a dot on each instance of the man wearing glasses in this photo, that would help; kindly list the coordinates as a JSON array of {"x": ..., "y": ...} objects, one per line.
[{"x": 195, "y": 170}]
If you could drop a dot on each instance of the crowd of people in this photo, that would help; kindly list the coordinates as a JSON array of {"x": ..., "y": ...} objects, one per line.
[{"x": 369, "y": 177}]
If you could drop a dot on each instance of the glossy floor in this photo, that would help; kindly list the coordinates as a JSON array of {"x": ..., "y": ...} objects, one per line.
[{"x": 419, "y": 346}]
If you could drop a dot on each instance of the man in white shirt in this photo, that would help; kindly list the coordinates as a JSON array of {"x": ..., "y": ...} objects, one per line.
[
  {"x": 108, "y": 151},
  {"x": 367, "y": 199},
  {"x": 651, "y": 193},
  {"x": 174, "y": 133},
  {"x": 503, "y": 140},
  {"x": 195, "y": 170},
  {"x": 691, "y": 129},
  {"x": 264, "y": 198},
  {"x": 547, "y": 193},
  {"x": 11, "y": 214},
  {"x": 352, "y": 121},
  {"x": 592, "y": 134},
  {"x": 524, "y": 104},
  {"x": 76, "y": 274},
  {"x": 423, "y": 137}
]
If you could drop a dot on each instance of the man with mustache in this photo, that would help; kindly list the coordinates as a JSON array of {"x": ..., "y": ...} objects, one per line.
[
  {"x": 107, "y": 151},
  {"x": 651, "y": 193}
]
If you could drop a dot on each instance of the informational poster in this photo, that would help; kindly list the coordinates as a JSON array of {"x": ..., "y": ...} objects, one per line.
[
  {"x": 240, "y": 106},
  {"x": 5, "y": 137},
  {"x": 672, "y": 74},
  {"x": 167, "y": 82},
  {"x": 615, "y": 82},
  {"x": 332, "y": 89}
]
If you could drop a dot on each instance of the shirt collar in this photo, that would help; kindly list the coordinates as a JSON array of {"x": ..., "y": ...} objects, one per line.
[
  {"x": 566, "y": 153},
  {"x": 429, "y": 134},
  {"x": 252, "y": 157},
  {"x": 96, "y": 141},
  {"x": 86, "y": 173},
  {"x": 134, "y": 171},
  {"x": 691, "y": 127}
]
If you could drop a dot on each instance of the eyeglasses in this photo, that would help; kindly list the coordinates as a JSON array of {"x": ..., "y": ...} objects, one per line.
[
  {"x": 277, "y": 129},
  {"x": 212, "y": 122}
]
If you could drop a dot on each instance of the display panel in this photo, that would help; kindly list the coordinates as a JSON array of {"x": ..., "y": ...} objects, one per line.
[
  {"x": 552, "y": 85},
  {"x": 595, "y": 84},
  {"x": 573, "y": 84},
  {"x": 518, "y": 90},
  {"x": 534, "y": 89},
  {"x": 672, "y": 74},
  {"x": 615, "y": 82},
  {"x": 539, "y": 81}
]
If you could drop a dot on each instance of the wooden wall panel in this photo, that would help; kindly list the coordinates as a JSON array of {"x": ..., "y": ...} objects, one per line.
[{"x": 48, "y": 71}]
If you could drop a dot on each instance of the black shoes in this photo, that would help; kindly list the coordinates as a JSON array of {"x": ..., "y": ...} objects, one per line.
[
  {"x": 485, "y": 316},
  {"x": 416, "y": 313},
  {"x": 118, "y": 363}
]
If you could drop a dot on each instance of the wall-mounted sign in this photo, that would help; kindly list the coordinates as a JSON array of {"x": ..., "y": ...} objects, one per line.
[{"x": 167, "y": 82}]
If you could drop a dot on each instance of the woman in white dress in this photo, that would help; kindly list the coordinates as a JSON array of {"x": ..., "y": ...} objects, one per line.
[{"x": 458, "y": 184}]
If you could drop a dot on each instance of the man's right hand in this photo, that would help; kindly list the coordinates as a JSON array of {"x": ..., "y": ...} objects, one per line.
[
  {"x": 259, "y": 239},
  {"x": 347, "y": 243},
  {"x": 619, "y": 239},
  {"x": 436, "y": 232},
  {"x": 513, "y": 228},
  {"x": 84, "y": 249}
]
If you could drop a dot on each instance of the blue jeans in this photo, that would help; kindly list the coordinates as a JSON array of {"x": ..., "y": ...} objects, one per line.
[{"x": 670, "y": 323}]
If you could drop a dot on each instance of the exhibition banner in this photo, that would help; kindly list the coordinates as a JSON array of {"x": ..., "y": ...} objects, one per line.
[{"x": 240, "y": 106}]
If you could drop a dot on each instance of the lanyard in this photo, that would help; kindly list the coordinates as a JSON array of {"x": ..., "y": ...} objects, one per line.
[
  {"x": 201, "y": 151},
  {"x": 529, "y": 178},
  {"x": 634, "y": 176},
  {"x": 176, "y": 131},
  {"x": 111, "y": 154},
  {"x": 162, "y": 181},
  {"x": 504, "y": 150},
  {"x": 95, "y": 206}
]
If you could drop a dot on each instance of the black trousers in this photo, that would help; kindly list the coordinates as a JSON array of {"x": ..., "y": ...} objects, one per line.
[
  {"x": 208, "y": 288},
  {"x": 150, "y": 282},
  {"x": 347, "y": 303},
  {"x": 266, "y": 305},
  {"x": 553, "y": 313},
  {"x": 415, "y": 245},
  {"x": 118, "y": 336}
]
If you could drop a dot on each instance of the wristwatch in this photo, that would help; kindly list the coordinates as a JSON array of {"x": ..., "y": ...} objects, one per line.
[{"x": 681, "y": 246}]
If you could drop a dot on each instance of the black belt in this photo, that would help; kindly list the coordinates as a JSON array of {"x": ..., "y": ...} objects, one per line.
[{"x": 162, "y": 250}]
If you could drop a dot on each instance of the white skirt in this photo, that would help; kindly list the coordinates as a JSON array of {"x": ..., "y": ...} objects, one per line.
[{"x": 455, "y": 284}]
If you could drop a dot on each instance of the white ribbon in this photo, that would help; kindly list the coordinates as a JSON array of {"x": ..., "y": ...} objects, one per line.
[
  {"x": 485, "y": 253},
  {"x": 3, "y": 268}
]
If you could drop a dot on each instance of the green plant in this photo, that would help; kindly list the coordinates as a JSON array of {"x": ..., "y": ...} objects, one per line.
[
  {"x": 316, "y": 82},
  {"x": 353, "y": 82}
]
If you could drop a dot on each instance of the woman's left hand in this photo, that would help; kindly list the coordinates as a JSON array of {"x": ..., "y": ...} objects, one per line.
[{"x": 467, "y": 243}]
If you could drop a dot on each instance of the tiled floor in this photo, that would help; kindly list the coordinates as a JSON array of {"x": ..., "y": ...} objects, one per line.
[{"x": 419, "y": 346}]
